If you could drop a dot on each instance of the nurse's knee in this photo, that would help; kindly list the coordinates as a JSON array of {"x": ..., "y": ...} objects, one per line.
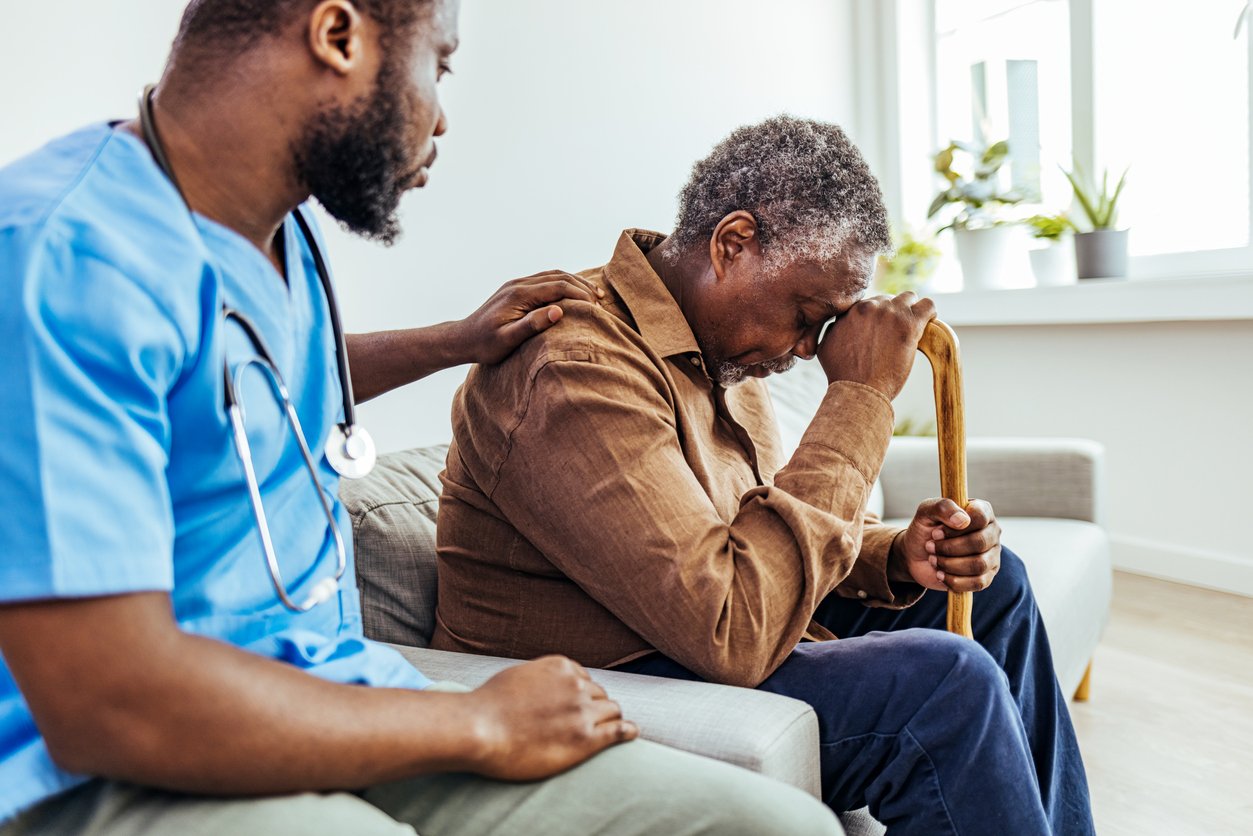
[
  {"x": 688, "y": 795},
  {"x": 311, "y": 814},
  {"x": 301, "y": 814},
  {"x": 768, "y": 807}
]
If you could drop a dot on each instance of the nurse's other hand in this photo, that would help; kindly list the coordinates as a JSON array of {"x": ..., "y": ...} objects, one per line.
[
  {"x": 518, "y": 311},
  {"x": 543, "y": 717}
]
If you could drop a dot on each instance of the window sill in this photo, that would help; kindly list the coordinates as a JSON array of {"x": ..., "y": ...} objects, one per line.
[{"x": 1093, "y": 301}]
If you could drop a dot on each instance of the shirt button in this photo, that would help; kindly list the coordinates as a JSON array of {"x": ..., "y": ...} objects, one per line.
[
  {"x": 861, "y": 593},
  {"x": 695, "y": 360}
]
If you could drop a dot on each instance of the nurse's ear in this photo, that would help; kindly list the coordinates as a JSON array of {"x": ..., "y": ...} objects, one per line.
[{"x": 335, "y": 35}]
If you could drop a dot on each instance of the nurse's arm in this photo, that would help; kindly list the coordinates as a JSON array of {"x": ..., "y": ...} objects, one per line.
[
  {"x": 119, "y": 691},
  {"x": 519, "y": 310}
]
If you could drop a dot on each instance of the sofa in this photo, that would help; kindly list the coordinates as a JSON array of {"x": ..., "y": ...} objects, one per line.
[{"x": 1046, "y": 492}]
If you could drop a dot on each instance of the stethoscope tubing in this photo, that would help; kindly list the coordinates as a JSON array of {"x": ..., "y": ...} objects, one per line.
[
  {"x": 149, "y": 128},
  {"x": 326, "y": 588}
]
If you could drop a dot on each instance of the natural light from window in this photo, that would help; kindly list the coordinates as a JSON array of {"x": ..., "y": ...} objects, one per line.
[
  {"x": 1172, "y": 101},
  {"x": 1168, "y": 87},
  {"x": 1004, "y": 67}
]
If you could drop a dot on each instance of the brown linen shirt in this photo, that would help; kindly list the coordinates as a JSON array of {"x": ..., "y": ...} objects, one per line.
[{"x": 605, "y": 499}]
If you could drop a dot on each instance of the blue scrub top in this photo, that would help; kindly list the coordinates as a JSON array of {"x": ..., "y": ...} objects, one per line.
[{"x": 119, "y": 470}]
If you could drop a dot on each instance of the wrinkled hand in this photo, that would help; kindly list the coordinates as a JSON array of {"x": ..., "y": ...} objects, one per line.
[
  {"x": 947, "y": 548},
  {"x": 518, "y": 311},
  {"x": 874, "y": 341},
  {"x": 544, "y": 717}
]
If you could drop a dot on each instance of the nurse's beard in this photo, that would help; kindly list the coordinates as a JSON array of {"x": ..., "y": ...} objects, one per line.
[{"x": 355, "y": 162}]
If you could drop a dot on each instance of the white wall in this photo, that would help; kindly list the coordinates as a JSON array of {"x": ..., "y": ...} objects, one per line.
[
  {"x": 69, "y": 62},
  {"x": 569, "y": 121}
]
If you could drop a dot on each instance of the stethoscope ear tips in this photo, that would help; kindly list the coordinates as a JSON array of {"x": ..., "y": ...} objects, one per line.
[{"x": 351, "y": 452}]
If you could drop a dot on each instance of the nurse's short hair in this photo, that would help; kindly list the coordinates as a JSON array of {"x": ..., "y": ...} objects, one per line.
[
  {"x": 232, "y": 27},
  {"x": 805, "y": 183}
]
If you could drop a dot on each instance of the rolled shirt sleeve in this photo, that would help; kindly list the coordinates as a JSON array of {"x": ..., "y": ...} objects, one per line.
[
  {"x": 868, "y": 581},
  {"x": 867, "y": 578}
]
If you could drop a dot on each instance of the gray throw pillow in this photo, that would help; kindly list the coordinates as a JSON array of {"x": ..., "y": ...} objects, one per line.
[{"x": 393, "y": 513}]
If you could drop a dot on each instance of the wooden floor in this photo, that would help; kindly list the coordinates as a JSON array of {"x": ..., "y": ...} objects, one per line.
[{"x": 1168, "y": 733}]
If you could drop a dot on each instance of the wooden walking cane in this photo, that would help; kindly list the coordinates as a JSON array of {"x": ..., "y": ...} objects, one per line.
[{"x": 939, "y": 344}]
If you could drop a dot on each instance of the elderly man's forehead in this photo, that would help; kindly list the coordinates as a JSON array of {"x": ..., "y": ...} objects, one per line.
[{"x": 849, "y": 272}]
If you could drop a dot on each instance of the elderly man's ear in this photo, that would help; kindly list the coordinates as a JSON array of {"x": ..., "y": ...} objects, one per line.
[{"x": 734, "y": 248}]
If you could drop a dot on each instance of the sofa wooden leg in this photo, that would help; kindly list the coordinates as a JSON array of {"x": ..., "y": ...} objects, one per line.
[{"x": 1085, "y": 685}]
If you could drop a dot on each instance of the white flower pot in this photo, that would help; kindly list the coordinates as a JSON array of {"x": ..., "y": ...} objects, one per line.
[
  {"x": 1053, "y": 265},
  {"x": 984, "y": 257}
]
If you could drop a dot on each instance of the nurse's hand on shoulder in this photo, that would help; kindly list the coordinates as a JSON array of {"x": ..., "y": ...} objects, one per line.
[
  {"x": 518, "y": 311},
  {"x": 543, "y": 717},
  {"x": 948, "y": 548}
]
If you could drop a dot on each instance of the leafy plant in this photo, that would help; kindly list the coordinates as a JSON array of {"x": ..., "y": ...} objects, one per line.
[
  {"x": 1101, "y": 207},
  {"x": 1049, "y": 227},
  {"x": 909, "y": 426},
  {"x": 972, "y": 174},
  {"x": 909, "y": 267}
]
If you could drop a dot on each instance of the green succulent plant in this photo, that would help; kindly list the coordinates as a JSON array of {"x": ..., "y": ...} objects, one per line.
[{"x": 1100, "y": 206}]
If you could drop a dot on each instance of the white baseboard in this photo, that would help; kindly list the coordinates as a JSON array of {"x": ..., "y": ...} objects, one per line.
[{"x": 1214, "y": 570}]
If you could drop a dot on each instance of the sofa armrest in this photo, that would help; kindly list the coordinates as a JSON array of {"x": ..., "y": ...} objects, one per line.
[
  {"x": 767, "y": 733},
  {"x": 1022, "y": 477}
]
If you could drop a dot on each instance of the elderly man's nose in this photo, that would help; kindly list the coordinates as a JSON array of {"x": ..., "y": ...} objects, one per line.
[{"x": 807, "y": 346}]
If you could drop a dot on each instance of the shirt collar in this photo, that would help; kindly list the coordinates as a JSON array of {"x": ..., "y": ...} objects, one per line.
[{"x": 657, "y": 316}]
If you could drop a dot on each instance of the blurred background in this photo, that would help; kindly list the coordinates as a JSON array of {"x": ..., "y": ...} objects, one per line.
[
  {"x": 571, "y": 120},
  {"x": 1020, "y": 143}
]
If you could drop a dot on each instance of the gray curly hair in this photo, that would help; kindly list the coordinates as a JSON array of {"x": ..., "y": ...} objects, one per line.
[{"x": 806, "y": 184}]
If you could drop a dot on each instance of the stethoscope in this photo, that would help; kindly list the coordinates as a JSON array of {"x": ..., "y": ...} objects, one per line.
[{"x": 349, "y": 449}]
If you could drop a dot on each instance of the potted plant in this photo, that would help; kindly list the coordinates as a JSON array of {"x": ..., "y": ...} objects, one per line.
[
  {"x": 909, "y": 266},
  {"x": 982, "y": 232},
  {"x": 1102, "y": 251},
  {"x": 1051, "y": 263}
]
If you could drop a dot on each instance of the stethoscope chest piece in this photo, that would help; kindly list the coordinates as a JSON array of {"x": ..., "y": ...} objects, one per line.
[{"x": 351, "y": 452}]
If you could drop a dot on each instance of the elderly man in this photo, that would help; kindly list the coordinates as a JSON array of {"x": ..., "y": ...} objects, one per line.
[
  {"x": 615, "y": 492},
  {"x": 181, "y": 645}
]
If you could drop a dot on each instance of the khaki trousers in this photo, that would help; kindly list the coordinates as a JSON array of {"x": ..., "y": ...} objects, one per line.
[{"x": 635, "y": 788}]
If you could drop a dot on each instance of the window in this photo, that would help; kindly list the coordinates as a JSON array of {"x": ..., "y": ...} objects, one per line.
[
  {"x": 1160, "y": 88},
  {"x": 1170, "y": 90},
  {"x": 1003, "y": 72}
]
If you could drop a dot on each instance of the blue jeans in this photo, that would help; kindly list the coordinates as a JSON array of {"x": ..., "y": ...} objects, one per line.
[{"x": 938, "y": 734}]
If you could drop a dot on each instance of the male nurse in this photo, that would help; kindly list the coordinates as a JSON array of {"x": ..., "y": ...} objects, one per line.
[{"x": 152, "y": 678}]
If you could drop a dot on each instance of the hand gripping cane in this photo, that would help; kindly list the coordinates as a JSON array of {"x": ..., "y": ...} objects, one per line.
[{"x": 939, "y": 344}]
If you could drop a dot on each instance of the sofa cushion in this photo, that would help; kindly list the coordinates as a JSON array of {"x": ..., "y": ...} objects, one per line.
[
  {"x": 393, "y": 515},
  {"x": 764, "y": 732}
]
